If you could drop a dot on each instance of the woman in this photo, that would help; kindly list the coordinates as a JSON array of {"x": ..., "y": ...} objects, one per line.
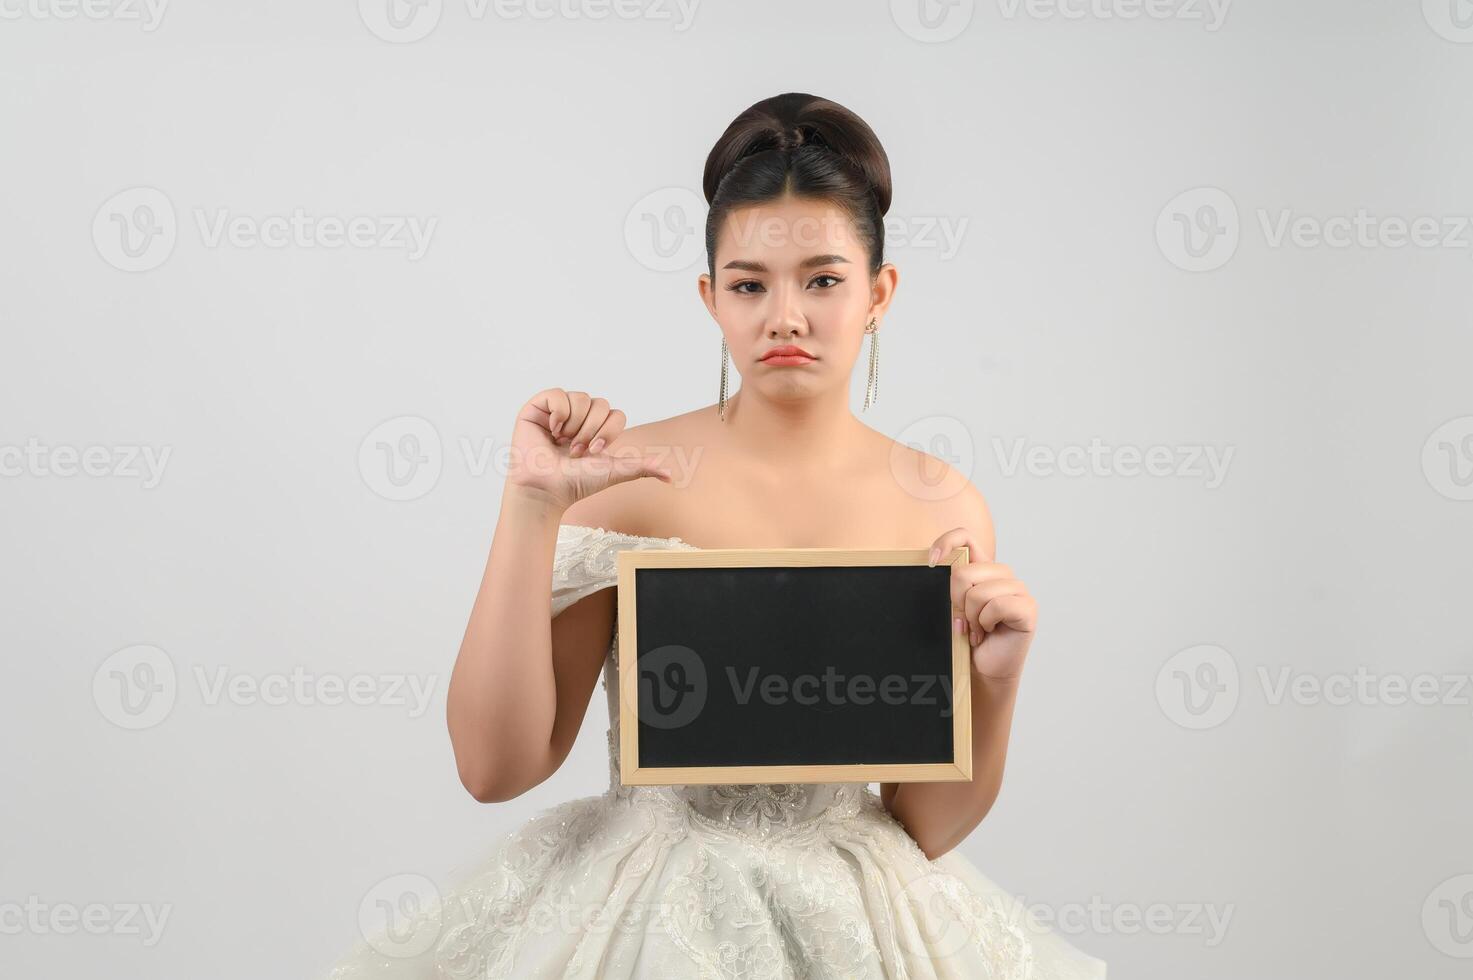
[{"x": 742, "y": 881}]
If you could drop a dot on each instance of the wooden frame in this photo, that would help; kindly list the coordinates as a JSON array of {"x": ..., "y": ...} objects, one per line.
[{"x": 960, "y": 769}]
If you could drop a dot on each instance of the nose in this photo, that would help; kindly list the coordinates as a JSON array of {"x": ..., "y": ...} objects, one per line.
[{"x": 788, "y": 320}]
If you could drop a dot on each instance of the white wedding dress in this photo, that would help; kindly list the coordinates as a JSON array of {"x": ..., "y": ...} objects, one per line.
[{"x": 733, "y": 882}]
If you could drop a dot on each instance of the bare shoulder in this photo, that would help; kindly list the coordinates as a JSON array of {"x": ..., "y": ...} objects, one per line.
[
  {"x": 630, "y": 506},
  {"x": 942, "y": 497}
]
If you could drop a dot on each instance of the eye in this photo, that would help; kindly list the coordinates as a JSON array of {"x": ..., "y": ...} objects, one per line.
[
  {"x": 736, "y": 287},
  {"x": 825, "y": 275}
]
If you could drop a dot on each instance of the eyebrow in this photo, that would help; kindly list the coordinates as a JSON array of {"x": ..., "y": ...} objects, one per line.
[{"x": 807, "y": 263}]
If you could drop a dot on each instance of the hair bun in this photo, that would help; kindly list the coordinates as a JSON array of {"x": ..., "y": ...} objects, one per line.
[{"x": 795, "y": 122}]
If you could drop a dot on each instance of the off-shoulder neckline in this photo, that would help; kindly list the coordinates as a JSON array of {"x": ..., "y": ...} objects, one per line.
[{"x": 626, "y": 535}]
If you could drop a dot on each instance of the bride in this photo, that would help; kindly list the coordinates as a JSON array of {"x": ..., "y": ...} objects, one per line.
[{"x": 735, "y": 881}]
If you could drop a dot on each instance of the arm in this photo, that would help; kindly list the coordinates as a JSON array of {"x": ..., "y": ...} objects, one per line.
[
  {"x": 522, "y": 680},
  {"x": 1000, "y": 617},
  {"x": 939, "y": 816}
]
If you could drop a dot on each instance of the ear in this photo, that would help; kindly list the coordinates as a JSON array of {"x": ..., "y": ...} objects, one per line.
[
  {"x": 883, "y": 290},
  {"x": 708, "y": 293}
]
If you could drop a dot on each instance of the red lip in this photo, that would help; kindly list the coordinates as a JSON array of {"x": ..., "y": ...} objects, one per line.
[{"x": 787, "y": 350}]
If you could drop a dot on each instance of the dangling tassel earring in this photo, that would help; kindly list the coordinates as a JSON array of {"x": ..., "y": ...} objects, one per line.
[
  {"x": 872, "y": 385},
  {"x": 721, "y": 406}
]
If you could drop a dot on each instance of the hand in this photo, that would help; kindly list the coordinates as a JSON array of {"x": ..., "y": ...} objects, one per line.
[
  {"x": 560, "y": 447},
  {"x": 992, "y": 606}
]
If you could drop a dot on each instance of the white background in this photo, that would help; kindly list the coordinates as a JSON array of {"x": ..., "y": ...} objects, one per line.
[{"x": 1067, "y": 150}]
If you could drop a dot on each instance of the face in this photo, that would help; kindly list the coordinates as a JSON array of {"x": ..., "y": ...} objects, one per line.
[{"x": 794, "y": 272}]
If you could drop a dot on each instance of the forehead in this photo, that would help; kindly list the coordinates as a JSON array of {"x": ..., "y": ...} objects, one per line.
[{"x": 786, "y": 231}]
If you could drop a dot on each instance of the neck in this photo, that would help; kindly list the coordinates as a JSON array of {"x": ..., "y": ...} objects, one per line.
[{"x": 793, "y": 434}]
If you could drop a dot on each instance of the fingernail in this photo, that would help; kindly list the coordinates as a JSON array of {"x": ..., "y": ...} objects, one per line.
[
  {"x": 975, "y": 640},
  {"x": 577, "y": 449},
  {"x": 597, "y": 445},
  {"x": 956, "y": 623},
  {"x": 935, "y": 554}
]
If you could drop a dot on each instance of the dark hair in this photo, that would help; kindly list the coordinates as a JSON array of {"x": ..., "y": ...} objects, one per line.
[{"x": 806, "y": 146}]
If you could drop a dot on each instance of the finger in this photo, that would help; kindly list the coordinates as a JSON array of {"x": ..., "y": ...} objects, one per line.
[
  {"x": 555, "y": 401},
  {"x": 964, "y": 577},
  {"x": 635, "y": 465},
  {"x": 612, "y": 428},
  {"x": 956, "y": 538},
  {"x": 1017, "y": 612},
  {"x": 983, "y": 592},
  {"x": 578, "y": 402},
  {"x": 598, "y": 410}
]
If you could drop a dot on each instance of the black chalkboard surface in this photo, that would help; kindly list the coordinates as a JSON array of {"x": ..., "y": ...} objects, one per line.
[{"x": 791, "y": 665}]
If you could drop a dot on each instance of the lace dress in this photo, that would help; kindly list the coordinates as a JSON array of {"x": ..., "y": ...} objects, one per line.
[{"x": 734, "y": 882}]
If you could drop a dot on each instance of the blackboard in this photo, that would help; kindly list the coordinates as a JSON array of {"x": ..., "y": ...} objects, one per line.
[{"x": 791, "y": 665}]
